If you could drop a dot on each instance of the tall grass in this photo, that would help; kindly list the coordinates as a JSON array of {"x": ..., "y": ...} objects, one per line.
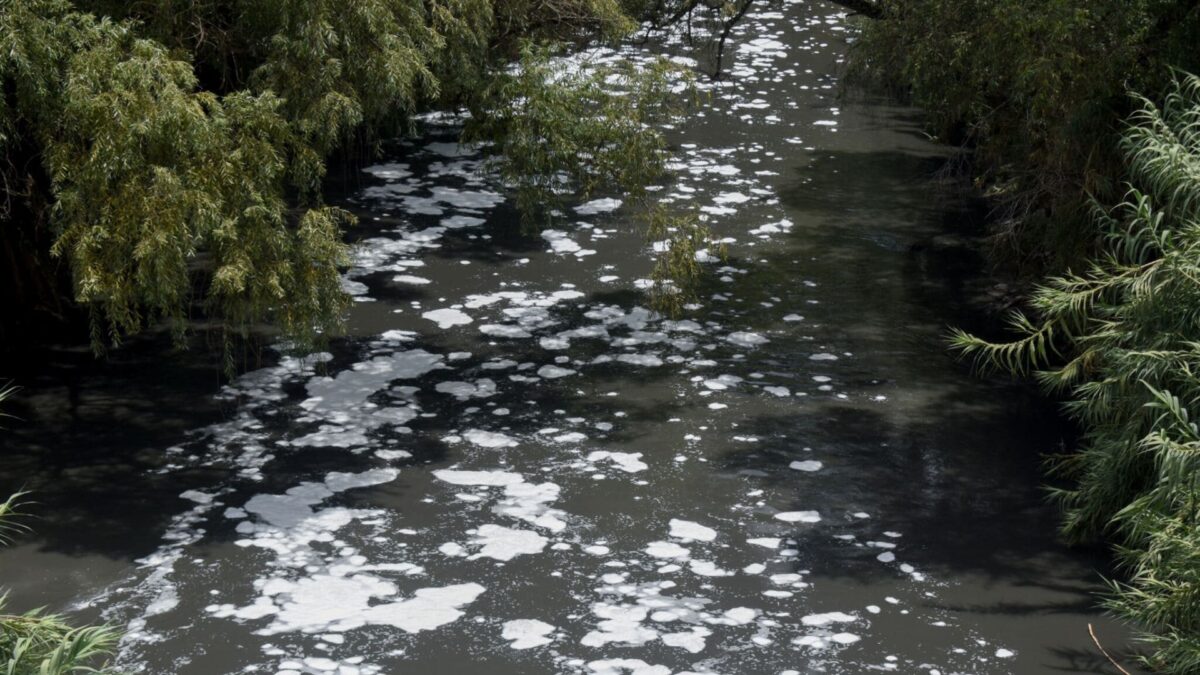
[{"x": 36, "y": 643}]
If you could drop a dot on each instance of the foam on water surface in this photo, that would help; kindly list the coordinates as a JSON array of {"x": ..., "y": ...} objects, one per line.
[{"x": 525, "y": 437}]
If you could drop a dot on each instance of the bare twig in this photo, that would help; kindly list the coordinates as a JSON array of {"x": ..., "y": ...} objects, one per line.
[{"x": 1092, "y": 632}]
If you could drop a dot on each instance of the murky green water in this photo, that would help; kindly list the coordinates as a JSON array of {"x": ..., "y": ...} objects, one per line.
[{"x": 511, "y": 466}]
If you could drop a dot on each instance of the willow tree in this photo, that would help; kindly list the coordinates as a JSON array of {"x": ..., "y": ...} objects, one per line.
[
  {"x": 162, "y": 156},
  {"x": 1123, "y": 339}
]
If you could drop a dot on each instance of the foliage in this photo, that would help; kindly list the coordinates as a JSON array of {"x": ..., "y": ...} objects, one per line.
[
  {"x": 548, "y": 111},
  {"x": 43, "y": 644},
  {"x": 174, "y": 150},
  {"x": 1037, "y": 89},
  {"x": 9, "y": 525},
  {"x": 1124, "y": 340}
]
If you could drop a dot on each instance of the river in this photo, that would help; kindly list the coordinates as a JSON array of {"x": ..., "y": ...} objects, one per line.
[{"x": 510, "y": 465}]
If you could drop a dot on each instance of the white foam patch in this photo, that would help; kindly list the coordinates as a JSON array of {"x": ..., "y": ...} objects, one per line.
[
  {"x": 738, "y": 616},
  {"x": 693, "y": 640},
  {"x": 338, "y": 481},
  {"x": 528, "y": 502},
  {"x": 598, "y": 206},
  {"x": 629, "y": 462},
  {"x": 554, "y": 372},
  {"x": 827, "y": 618},
  {"x": 429, "y": 608},
  {"x": 341, "y": 404},
  {"x": 460, "y": 221},
  {"x": 464, "y": 391},
  {"x": 527, "y": 633},
  {"x": 343, "y": 596},
  {"x": 765, "y": 542},
  {"x": 799, "y": 517},
  {"x": 666, "y": 550},
  {"x": 498, "y": 330},
  {"x": 707, "y": 568},
  {"x": 448, "y": 318},
  {"x": 489, "y": 439},
  {"x": 393, "y": 171},
  {"x": 690, "y": 531},
  {"x": 484, "y": 478},
  {"x": 745, "y": 339},
  {"x": 505, "y": 543},
  {"x": 626, "y": 667},
  {"x": 621, "y": 624},
  {"x": 809, "y": 465},
  {"x": 560, "y": 242},
  {"x": 648, "y": 360}
]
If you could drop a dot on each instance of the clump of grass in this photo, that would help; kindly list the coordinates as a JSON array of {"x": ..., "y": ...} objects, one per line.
[{"x": 37, "y": 643}]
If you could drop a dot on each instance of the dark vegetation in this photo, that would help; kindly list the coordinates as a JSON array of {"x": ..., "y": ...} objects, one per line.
[{"x": 1082, "y": 124}]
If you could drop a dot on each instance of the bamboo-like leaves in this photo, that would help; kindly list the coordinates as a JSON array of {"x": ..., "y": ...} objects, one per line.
[
  {"x": 1128, "y": 332},
  {"x": 159, "y": 157}
]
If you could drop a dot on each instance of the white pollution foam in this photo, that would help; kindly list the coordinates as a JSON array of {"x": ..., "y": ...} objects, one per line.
[
  {"x": 809, "y": 465},
  {"x": 448, "y": 317},
  {"x": 527, "y": 633},
  {"x": 505, "y": 543},
  {"x": 485, "y": 478},
  {"x": 745, "y": 339},
  {"x": 489, "y": 439},
  {"x": 799, "y": 516},
  {"x": 690, "y": 531},
  {"x": 629, "y": 462},
  {"x": 666, "y": 549}
]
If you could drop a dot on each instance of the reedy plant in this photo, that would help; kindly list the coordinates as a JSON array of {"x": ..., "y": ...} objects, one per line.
[
  {"x": 1123, "y": 340},
  {"x": 37, "y": 643}
]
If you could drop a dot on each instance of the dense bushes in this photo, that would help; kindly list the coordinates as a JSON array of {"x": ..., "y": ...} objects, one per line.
[
  {"x": 1123, "y": 339},
  {"x": 1037, "y": 88}
]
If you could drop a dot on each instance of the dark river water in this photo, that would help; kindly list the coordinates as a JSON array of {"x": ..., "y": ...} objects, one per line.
[{"x": 510, "y": 465}]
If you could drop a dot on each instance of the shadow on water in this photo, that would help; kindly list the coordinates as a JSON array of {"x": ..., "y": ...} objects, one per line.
[{"x": 87, "y": 438}]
